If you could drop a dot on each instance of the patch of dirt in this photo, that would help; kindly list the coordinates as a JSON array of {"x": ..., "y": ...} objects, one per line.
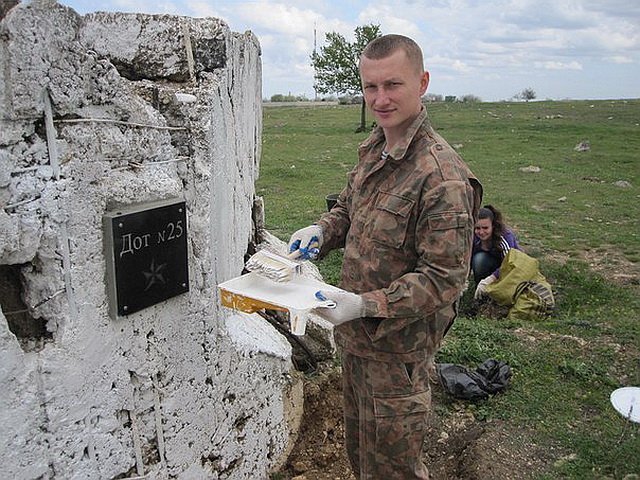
[
  {"x": 614, "y": 266},
  {"x": 319, "y": 452},
  {"x": 459, "y": 447},
  {"x": 608, "y": 262}
]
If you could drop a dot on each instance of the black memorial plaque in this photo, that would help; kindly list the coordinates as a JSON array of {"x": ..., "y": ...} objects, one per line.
[{"x": 147, "y": 255}]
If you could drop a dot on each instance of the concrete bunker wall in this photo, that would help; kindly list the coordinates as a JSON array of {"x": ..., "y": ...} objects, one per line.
[{"x": 99, "y": 112}]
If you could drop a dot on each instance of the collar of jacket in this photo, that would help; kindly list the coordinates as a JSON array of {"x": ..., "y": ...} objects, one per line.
[{"x": 400, "y": 149}]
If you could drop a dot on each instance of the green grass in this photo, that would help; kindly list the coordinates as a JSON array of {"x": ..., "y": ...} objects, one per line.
[
  {"x": 306, "y": 153},
  {"x": 498, "y": 139},
  {"x": 564, "y": 368}
]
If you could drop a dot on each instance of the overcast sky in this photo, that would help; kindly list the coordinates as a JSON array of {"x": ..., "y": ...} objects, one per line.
[{"x": 578, "y": 49}]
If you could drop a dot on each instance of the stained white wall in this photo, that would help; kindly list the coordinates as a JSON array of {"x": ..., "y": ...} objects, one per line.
[{"x": 183, "y": 389}]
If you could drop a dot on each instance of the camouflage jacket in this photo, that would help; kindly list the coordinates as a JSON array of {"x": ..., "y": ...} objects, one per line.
[{"x": 406, "y": 224}]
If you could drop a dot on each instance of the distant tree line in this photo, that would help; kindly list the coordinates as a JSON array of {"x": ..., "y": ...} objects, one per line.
[
  {"x": 355, "y": 99},
  {"x": 278, "y": 97},
  {"x": 435, "y": 97}
]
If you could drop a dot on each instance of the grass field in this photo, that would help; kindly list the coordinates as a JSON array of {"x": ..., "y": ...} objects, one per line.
[{"x": 574, "y": 215}]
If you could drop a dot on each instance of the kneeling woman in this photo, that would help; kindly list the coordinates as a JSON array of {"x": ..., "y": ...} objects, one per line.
[{"x": 491, "y": 242}]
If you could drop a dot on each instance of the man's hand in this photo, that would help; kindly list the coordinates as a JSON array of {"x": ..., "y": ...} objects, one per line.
[
  {"x": 481, "y": 289},
  {"x": 348, "y": 307},
  {"x": 308, "y": 240}
]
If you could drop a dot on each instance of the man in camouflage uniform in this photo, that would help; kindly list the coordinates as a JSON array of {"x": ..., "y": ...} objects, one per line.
[{"x": 406, "y": 221}]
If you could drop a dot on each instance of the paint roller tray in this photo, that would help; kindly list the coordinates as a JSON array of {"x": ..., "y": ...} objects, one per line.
[{"x": 253, "y": 292}]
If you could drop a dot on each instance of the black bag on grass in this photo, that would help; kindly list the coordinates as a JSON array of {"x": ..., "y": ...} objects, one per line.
[{"x": 490, "y": 377}]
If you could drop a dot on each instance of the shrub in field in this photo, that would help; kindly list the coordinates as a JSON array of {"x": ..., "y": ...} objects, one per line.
[{"x": 469, "y": 98}]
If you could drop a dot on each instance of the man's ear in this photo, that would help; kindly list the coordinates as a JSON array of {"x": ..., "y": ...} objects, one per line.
[{"x": 424, "y": 82}]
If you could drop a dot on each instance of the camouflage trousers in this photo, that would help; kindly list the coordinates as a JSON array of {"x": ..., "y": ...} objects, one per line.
[{"x": 385, "y": 412}]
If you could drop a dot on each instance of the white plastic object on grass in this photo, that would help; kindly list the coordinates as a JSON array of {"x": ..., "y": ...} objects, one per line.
[{"x": 626, "y": 401}]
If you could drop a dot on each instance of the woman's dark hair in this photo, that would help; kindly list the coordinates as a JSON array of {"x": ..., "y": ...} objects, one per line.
[{"x": 493, "y": 214}]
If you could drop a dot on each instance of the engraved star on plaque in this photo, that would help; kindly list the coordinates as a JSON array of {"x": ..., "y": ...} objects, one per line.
[{"x": 154, "y": 275}]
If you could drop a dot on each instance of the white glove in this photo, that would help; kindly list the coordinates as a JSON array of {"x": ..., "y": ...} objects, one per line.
[
  {"x": 348, "y": 306},
  {"x": 481, "y": 289},
  {"x": 308, "y": 240}
]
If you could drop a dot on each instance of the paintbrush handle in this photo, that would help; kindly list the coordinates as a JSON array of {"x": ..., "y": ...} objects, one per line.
[
  {"x": 298, "y": 251},
  {"x": 295, "y": 254}
]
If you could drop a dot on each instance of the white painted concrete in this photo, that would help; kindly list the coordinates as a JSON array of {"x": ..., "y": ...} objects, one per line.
[{"x": 183, "y": 389}]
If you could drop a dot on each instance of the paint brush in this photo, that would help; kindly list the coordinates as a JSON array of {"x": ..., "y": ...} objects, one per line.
[{"x": 276, "y": 267}]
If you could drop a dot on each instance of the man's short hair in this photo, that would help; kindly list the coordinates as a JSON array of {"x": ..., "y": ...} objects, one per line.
[{"x": 385, "y": 45}]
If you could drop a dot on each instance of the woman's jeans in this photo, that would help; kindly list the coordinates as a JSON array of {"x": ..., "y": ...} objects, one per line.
[{"x": 483, "y": 265}]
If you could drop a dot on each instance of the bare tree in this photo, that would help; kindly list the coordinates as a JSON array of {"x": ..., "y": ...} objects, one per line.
[{"x": 527, "y": 94}]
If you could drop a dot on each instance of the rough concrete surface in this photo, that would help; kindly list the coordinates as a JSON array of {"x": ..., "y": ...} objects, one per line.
[{"x": 112, "y": 110}]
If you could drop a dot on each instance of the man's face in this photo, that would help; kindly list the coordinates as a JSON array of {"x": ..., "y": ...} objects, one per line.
[{"x": 392, "y": 88}]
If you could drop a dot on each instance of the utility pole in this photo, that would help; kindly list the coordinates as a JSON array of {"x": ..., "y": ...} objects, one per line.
[{"x": 315, "y": 90}]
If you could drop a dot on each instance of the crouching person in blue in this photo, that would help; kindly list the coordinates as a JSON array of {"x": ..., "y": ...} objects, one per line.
[{"x": 492, "y": 240}]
